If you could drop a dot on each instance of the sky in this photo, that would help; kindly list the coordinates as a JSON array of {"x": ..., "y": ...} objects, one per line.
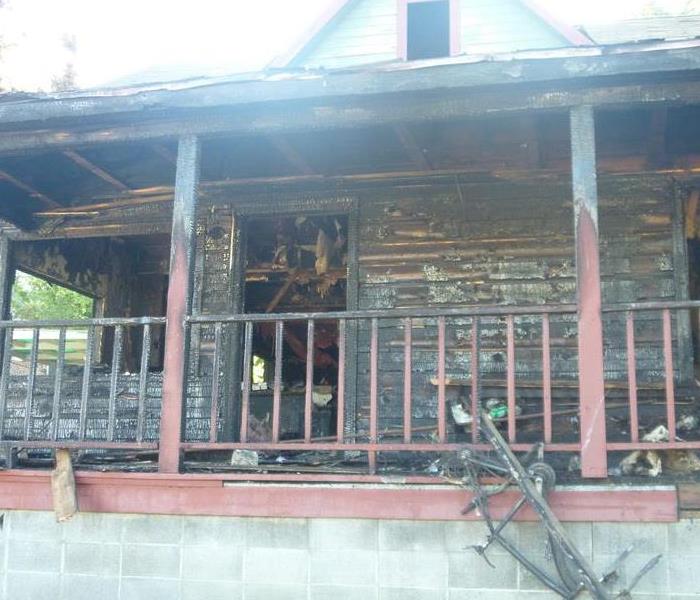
[{"x": 115, "y": 38}]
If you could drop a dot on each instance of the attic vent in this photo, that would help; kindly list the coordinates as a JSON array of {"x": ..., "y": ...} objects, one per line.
[{"x": 427, "y": 29}]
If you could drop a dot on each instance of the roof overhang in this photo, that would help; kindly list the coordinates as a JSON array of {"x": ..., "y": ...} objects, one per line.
[{"x": 248, "y": 100}]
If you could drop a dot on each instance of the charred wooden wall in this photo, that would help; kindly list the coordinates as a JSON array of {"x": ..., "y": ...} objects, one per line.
[{"x": 451, "y": 242}]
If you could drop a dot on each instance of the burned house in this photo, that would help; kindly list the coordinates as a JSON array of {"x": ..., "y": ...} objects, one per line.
[{"x": 309, "y": 284}]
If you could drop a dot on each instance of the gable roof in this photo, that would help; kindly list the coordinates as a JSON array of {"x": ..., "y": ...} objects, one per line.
[{"x": 339, "y": 7}]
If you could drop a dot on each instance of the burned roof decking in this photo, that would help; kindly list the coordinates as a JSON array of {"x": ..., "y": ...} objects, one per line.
[
  {"x": 160, "y": 98},
  {"x": 518, "y": 146},
  {"x": 314, "y": 127}
]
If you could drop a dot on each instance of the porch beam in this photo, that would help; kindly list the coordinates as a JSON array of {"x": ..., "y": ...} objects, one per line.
[
  {"x": 547, "y": 67},
  {"x": 179, "y": 303},
  {"x": 588, "y": 292},
  {"x": 322, "y": 114}
]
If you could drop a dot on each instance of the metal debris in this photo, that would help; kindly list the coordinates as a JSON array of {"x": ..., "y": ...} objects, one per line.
[{"x": 536, "y": 479}]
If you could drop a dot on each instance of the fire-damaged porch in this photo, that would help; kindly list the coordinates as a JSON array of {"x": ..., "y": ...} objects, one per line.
[{"x": 337, "y": 303}]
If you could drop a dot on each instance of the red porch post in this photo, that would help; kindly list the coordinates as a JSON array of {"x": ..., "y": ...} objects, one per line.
[
  {"x": 179, "y": 304},
  {"x": 594, "y": 461}
]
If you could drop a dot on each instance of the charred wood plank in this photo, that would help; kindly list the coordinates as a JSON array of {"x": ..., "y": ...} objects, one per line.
[
  {"x": 28, "y": 189},
  {"x": 179, "y": 303},
  {"x": 99, "y": 172},
  {"x": 588, "y": 288}
]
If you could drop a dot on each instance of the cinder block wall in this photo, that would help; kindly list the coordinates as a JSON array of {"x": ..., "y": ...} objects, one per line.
[{"x": 127, "y": 557}]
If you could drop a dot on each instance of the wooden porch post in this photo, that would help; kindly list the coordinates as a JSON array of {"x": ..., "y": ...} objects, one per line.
[
  {"x": 6, "y": 272},
  {"x": 590, "y": 326},
  {"x": 179, "y": 304}
]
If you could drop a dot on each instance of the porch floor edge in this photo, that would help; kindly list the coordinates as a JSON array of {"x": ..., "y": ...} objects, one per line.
[{"x": 216, "y": 496}]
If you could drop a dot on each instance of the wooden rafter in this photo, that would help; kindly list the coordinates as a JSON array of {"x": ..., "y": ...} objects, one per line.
[
  {"x": 28, "y": 189},
  {"x": 165, "y": 153},
  {"x": 685, "y": 165},
  {"x": 282, "y": 292},
  {"x": 95, "y": 170},
  {"x": 691, "y": 214},
  {"x": 291, "y": 154},
  {"x": 414, "y": 151},
  {"x": 112, "y": 205},
  {"x": 656, "y": 150}
]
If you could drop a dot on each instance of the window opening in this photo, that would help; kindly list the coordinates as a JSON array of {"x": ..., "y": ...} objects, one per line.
[{"x": 428, "y": 29}]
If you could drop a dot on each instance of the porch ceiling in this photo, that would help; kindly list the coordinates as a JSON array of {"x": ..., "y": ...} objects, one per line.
[{"x": 87, "y": 181}]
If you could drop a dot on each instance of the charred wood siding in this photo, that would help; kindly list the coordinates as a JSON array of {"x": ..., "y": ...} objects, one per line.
[
  {"x": 446, "y": 242},
  {"x": 212, "y": 294},
  {"x": 506, "y": 243}
]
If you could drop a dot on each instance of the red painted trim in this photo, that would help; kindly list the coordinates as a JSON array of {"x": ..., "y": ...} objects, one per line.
[
  {"x": 208, "y": 495},
  {"x": 569, "y": 33},
  {"x": 590, "y": 348},
  {"x": 335, "y": 8}
]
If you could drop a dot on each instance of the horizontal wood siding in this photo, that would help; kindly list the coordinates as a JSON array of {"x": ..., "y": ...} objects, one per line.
[
  {"x": 506, "y": 26},
  {"x": 365, "y": 34},
  {"x": 445, "y": 242}
]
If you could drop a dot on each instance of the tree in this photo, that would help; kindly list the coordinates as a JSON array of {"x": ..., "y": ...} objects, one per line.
[
  {"x": 34, "y": 298},
  {"x": 66, "y": 81}
]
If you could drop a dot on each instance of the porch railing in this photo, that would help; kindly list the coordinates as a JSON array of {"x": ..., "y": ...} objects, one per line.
[
  {"x": 56, "y": 392},
  {"x": 407, "y": 381},
  {"x": 659, "y": 383},
  {"x": 417, "y": 377}
]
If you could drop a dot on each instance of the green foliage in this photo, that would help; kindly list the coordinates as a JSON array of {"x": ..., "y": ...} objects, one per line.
[{"x": 34, "y": 298}]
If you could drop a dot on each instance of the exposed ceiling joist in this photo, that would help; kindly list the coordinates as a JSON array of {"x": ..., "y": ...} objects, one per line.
[
  {"x": 111, "y": 205},
  {"x": 95, "y": 170},
  {"x": 28, "y": 189},
  {"x": 291, "y": 154},
  {"x": 531, "y": 140},
  {"x": 656, "y": 150},
  {"x": 414, "y": 151},
  {"x": 165, "y": 153}
]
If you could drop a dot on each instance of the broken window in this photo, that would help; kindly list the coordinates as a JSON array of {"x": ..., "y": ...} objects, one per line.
[
  {"x": 427, "y": 29},
  {"x": 296, "y": 265},
  {"x": 107, "y": 374}
]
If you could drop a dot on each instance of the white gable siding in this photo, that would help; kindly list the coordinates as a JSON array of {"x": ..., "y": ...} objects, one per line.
[
  {"x": 368, "y": 32},
  {"x": 494, "y": 26}
]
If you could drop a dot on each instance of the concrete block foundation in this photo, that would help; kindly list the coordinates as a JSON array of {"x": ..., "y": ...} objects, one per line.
[{"x": 128, "y": 557}]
